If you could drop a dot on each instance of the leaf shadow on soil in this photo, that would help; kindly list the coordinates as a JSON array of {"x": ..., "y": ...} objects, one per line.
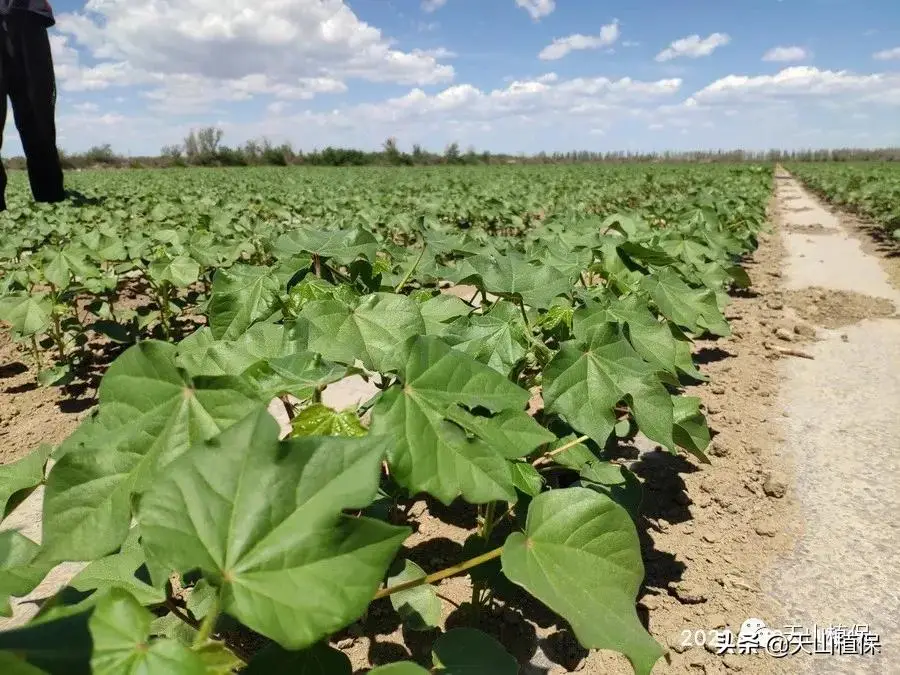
[
  {"x": 707, "y": 355},
  {"x": 9, "y": 370},
  {"x": 665, "y": 498}
]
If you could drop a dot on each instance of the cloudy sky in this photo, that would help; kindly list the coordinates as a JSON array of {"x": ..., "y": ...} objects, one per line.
[{"x": 505, "y": 75}]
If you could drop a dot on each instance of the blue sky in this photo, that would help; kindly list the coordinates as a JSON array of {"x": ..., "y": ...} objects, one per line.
[{"x": 504, "y": 75}]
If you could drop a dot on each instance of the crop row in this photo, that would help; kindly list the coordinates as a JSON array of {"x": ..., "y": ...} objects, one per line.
[
  {"x": 871, "y": 190},
  {"x": 202, "y": 521}
]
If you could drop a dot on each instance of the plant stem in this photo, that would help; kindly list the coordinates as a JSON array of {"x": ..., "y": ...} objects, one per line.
[
  {"x": 36, "y": 352},
  {"x": 546, "y": 457},
  {"x": 209, "y": 622},
  {"x": 438, "y": 576},
  {"x": 525, "y": 315},
  {"x": 412, "y": 269},
  {"x": 196, "y": 625}
]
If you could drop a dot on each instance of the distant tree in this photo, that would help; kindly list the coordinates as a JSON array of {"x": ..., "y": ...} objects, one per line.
[{"x": 452, "y": 154}]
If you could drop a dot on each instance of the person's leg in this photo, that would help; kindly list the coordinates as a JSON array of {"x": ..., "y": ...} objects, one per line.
[
  {"x": 3, "y": 67},
  {"x": 32, "y": 89}
]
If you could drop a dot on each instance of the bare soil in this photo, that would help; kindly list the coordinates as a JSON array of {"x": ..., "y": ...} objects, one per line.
[{"x": 30, "y": 414}]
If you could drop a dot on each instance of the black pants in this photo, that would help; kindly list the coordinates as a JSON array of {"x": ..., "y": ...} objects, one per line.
[{"x": 27, "y": 78}]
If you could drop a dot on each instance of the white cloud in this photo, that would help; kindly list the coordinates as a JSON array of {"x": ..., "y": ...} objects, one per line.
[
  {"x": 803, "y": 82},
  {"x": 289, "y": 49},
  {"x": 432, "y": 5},
  {"x": 545, "y": 102},
  {"x": 537, "y": 8},
  {"x": 560, "y": 47},
  {"x": 784, "y": 54},
  {"x": 887, "y": 54},
  {"x": 693, "y": 46}
]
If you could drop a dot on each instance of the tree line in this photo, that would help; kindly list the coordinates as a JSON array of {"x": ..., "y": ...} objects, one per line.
[{"x": 204, "y": 147}]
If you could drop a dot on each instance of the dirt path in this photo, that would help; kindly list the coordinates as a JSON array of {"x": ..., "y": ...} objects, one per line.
[{"x": 842, "y": 434}]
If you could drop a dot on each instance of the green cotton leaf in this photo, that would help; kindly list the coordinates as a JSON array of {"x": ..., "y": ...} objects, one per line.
[
  {"x": 120, "y": 632},
  {"x": 690, "y": 432},
  {"x": 692, "y": 308},
  {"x": 342, "y": 246},
  {"x": 150, "y": 413},
  {"x": 467, "y": 651},
  {"x": 584, "y": 384},
  {"x": 59, "y": 265},
  {"x": 645, "y": 254},
  {"x": 320, "y": 420},
  {"x": 119, "y": 570},
  {"x": 440, "y": 311},
  {"x": 181, "y": 271},
  {"x": 201, "y": 354},
  {"x": 11, "y": 664},
  {"x": 497, "y": 339},
  {"x": 19, "y": 479},
  {"x": 56, "y": 647},
  {"x": 373, "y": 332},
  {"x": 217, "y": 659},
  {"x": 399, "y": 668},
  {"x": 313, "y": 288},
  {"x": 580, "y": 556},
  {"x": 590, "y": 467},
  {"x": 527, "y": 479},
  {"x": 684, "y": 359},
  {"x": 651, "y": 339},
  {"x": 419, "y": 607},
  {"x": 320, "y": 659},
  {"x": 627, "y": 491},
  {"x": 438, "y": 446},
  {"x": 513, "y": 275},
  {"x": 241, "y": 296},
  {"x": 27, "y": 314},
  {"x": 263, "y": 520},
  {"x": 300, "y": 375},
  {"x": 19, "y": 575}
]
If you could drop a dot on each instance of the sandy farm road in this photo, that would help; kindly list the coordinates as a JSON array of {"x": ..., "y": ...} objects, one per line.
[
  {"x": 797, "y": 519},
  {"x": 842, "y": 435}
]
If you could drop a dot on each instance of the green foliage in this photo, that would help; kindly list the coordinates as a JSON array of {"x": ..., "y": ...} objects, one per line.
[{"x": 201, "y": 519}]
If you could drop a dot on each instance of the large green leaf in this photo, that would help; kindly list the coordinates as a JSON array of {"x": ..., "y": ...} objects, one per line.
[
  {"x": 439, "y": 446},
  {"x": 19, "y": 575},
  {"x": 692, "y": 308},
  {"x": 60, "y": 647},
  {"x": 419, "y": 607},
  {"x": 18, "y": 479},
  {"x": 241, "y": 296},
  {"x": 262, "y": 519},
  {"x": 150, "y": 412},
  {"x": 466, "y": 651},
  {"x": 497, "y": 338},
  {"x": 374, "y": 331},
  {"x": 120, "y": 631},
  {"x": 343, "y": 246},
  {"x": 181, "y": 271},
  {"x": 690, "y": 432},
  {"x": 320, "y": 420},
  {"x": 119, "y": 570},
  {"x": 320, "y": 659},
  {"x": 580, "y": 556},
  {"x": 514, "y": 276},
  {"x": 27, "y": 314},
  {"x": 300, "y": 374},
  {"x": 202, "y": 354},
  {"x": 584, "y": 383}
]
